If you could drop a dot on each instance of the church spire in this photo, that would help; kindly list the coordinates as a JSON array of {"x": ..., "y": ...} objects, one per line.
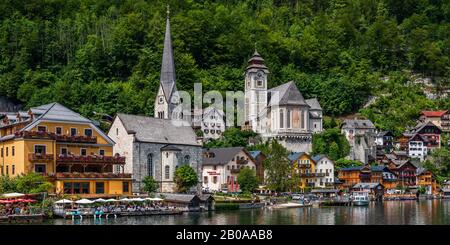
[{"x": 168, "y": 77}]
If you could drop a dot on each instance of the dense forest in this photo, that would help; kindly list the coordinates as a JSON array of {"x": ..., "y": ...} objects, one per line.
[{"x": 105, "y": 55}]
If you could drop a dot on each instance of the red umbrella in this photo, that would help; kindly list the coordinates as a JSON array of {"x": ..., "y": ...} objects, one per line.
[
  {"x": 7, "y": 201},
  {"x": 26, "y": 200}
]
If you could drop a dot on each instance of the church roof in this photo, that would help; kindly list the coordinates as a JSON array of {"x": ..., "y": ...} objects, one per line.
[
  {"x": 256, "y": 62},
  {"x": 288, "y": 94},
  {"x": 168, "y": 76},
  {"x": 314, "y": 104},
  {"x": 156, "y": 130}
]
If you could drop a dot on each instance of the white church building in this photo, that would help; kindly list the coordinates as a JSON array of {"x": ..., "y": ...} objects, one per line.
[{"x": 279, "y": 113}]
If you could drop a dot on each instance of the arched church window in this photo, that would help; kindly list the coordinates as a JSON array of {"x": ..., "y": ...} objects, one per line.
[
  {"x": 150, "y": 164},
  {"x": 288, "y": 120},
  {"x": 281, "y": 118},
  {"x": 167, "y": 172}
]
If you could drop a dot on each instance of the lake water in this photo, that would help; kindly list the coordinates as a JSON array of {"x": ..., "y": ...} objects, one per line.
[{"x": 424, "y": 212}]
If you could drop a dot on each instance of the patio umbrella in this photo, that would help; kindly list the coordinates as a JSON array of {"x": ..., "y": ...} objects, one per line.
[
  {"x": 13, "y": 195},
  {"x": 100, "y": 200},
  {"x": 63, "y": 201},
  {"x": 125, "y": 200},
  {"x": 84, "y": 201},
  {"x": 158, "y": 199},
  {"x": 7, "y": 201},
  {"x": 153, "y": 199},
  {"x": 111, "y": 200},
  {"x": 137, "y": 199}
]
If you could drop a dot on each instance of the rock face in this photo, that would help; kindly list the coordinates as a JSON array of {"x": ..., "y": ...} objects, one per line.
[{"x": 8, "y": 106}]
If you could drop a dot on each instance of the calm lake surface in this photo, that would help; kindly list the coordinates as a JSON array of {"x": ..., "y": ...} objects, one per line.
[{"x": 424, "y": 212}]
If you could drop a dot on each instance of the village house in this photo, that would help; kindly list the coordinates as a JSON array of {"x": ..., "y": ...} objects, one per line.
[
  {"x": 361, "y": 137},
  {"x": 405, "y": 172},
  {"x": 310, "y": 173},
  {"x": 439, "y": 118},
  {"x": 281, "y": 112},
  {"x": 155, "y": 147},
  {"x": 375, "y": 190},
  {"x": 422, "y": 140},
  {"x": 70, "y": 150},
  {"x": 385, "y": 141},
  {"x": 351, "y": 176},
  {"x": 221, "y": 166},
  {"x": 211, "y": 123},
  {"x": 259, "y": 158},
  {"x": 324, "y": 165},
  {"x": 426, "y": 179}
]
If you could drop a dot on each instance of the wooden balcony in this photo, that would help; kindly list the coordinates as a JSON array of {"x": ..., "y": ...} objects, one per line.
[
  {"x": 90, "y": 159},
  {"x": 76, "y": 139},
  {"x": 58, "y": 138},
  {"x": 34, "y": 157},
  {"x": 92, "y": 175},
  {"x": 235, "y": 170},
  {"x": 312, "y": 175}
]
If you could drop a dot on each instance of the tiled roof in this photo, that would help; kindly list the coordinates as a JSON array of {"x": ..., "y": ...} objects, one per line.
[
  {"x": 156, "y": 130},
  {"x": 286, "y": 94},
  {"x": 295, "y": 155},
  {"x": 358, "y": 123},
  {"x": 220, "y": 156},
  {"x": 314, "y": 104},
  {"x": 433, "y": 113}
]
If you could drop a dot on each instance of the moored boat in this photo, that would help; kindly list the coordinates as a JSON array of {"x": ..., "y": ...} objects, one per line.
[{"x": 360, "y": 198}]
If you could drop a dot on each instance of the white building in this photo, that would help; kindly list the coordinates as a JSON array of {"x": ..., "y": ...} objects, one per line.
[
  {"x": 361, "y": 137},
  {"x": 279, "y": 113},
  {"x": 221, "y": 167},
  {"x": 213, "y": 123},
  {"x": 324, "y": 165}
]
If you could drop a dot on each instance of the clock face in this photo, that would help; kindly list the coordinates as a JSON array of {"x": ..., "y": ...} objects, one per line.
[{"x": 259, "y": 74}]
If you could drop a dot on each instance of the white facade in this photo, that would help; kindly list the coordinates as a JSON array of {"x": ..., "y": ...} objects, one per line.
[
  {"x": 325, "y": 165},
  {"x": 123, "y": 145},
  {"x": 213, "y": 123},
  {"x": 416, "y": 149}
]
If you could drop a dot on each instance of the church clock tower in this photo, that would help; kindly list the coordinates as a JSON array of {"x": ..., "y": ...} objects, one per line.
[{"x": 255, "y": 88}]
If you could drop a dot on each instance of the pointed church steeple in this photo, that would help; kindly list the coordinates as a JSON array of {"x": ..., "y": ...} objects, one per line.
[{"x": 168, "y": 77}]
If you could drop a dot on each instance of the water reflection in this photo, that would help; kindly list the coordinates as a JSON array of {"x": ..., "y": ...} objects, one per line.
[{"x": 389, "y": 212}]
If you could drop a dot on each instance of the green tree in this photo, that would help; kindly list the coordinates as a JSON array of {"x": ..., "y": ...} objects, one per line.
[
  {"x": 344, "y": 163},
  {"x": 150, "y": 185},
  {"x": 185, "y": 178},
  {"x": 247, "y": 180},
  {"x": 7, "y": 184},
  {"x": 331, "y": 143},
  {"x": 277, "y": 167},
  {"x": 32, "y": 183}
]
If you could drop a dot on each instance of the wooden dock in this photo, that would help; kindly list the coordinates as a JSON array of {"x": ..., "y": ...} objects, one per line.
[{"x": 332, "y": 203}]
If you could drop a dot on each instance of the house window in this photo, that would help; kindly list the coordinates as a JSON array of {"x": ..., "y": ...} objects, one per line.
[
  {"x": 58, "y": 130},
  {"x": 83, "y": 151},
  {"x": 205, "y": 179},
  {"x": 214, "y": 167},
  {"x": 215, "y": 179},
  {"x": 63, "y": 151},
  {"x": 117, "y": 131},
  {"x": 85, "y": 188},
  {"x": 1, "y": 153},
  {"x": 101, "y": 152},
  {"x": 259, "y": 83},
  {"x": 13, "y": 151},
  {"x": 13, "y": 169},
  {"x": 7, "y": 170},
  {"x": 39, "y": 149},
  {"x": 125, "y": 187},
  {"x": 73, "y": 131},
  {"x": 100, "y": 188},
  {"x": 167, "y": 172},
  {"x": 150, "y": 164},
  {"x": 7, "y": 151},
  {"x": 88, "y": 132},
  {"x": 228, "y": 167},
  {"x": 42, "y": 128},
  {"x": 187, "y": 158},
  {"x": 39, "y": 168}
]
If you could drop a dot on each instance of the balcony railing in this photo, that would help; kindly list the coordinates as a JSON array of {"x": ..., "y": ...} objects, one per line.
[
  {"x": 76, "y": 139},
  {"x": 90, "y": 159},
  {"x": 59, "y": 138},
  {"x": 312, "y": 175},
  {"x": 241, "y": 161},
  {"x": 40, "y": 157},
  {"x": 302, "y": 165},
  {"x": 93, "y": 175}
]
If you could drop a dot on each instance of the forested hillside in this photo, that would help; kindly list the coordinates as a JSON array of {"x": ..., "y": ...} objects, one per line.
[{"x": 105, "y": 55}]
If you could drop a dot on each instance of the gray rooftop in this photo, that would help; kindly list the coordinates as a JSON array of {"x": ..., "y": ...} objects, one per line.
[
  {"x": 156, "y": 130},
  {"x": 220, "y": 156},
  {"x": 358, "y": 123},
  {"x": 366, "y": 185},
  {"x": 314, "y": 104},
  {"x": 288, "y": 94},
  {"x": 182, "y": 198}
]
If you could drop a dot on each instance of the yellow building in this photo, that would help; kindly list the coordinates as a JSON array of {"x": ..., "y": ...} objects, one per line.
[
  {"x": 426, "y": 179},
  {"x": 60, "y": 144},
  {"x": 304, "y": 170}
]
